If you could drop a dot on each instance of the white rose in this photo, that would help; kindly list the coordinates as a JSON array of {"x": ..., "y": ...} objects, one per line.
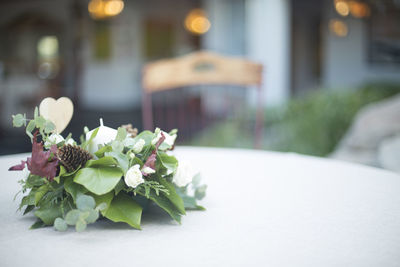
[
  {"x": 184, "y": 174},
  {"x": 148, "y": 170},
  {"x": 137, "y": 148},
  {"x": 133, "y": 176},
  {"x": 53, "y": 140},
  {"x": 169, "y": 139}
]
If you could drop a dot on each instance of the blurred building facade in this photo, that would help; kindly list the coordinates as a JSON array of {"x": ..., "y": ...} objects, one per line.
[{"x": 56, "y": 47}]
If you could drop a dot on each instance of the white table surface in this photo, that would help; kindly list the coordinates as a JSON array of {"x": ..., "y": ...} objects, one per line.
[{"x": 263, "y": 209}]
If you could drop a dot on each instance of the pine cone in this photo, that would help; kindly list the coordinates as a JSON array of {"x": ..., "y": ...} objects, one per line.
[
  {"x": 130, "y": 130},
  {"x": 71, "y": 157}
]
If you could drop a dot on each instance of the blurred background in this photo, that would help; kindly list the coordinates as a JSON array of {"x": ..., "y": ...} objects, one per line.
[{"x": 330, "y": 83}]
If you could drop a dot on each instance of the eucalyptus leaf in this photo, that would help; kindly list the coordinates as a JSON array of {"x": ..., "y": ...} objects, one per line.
[
  {"x": 80, "y": 226},
  {"x": 103, "y": 200},
  {"x": 49, "y": 127},
  {"x": 200, "y": 192},
  {"x": 72, "y": 217},
  {"x": 36, "y": 113},
  {"x": 40, "y": 122},
  {"x": 85, "y": 203},
  {"x": 93, "y": 216},
  {"x": 30, "y": 127},
  {"x": 18, "y": 120},
  {"x": 60, "y": 225}
]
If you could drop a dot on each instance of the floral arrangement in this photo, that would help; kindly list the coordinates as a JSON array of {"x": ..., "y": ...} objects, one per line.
[{"x": 112, "y": 174}]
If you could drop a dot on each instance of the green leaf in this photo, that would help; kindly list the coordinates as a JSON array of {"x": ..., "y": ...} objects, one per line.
[
  {"x": 166, "y": 205},
  {"x": 48, "y": 213},
  {"x": 102, "y": 162},
  {"x": 72, "y": 217},
  {"x": 86, "y": 143},
  {"x": 147, "y": 136},
  {"x": 98, "y": 180},
  {"x": 167, "y": 161},
  {"x": 74, "y": 189},
  {"x": 200, "y": 192},
  {"x": 93, "y": 216},
  {"x": 37, "y": 224},
  {"x": 18, "y": 120},
  {"x": 191, "y": 203},
  {"x": 119, "y": 186},
  {"x": 121, "y": 158},
  {"x": 30, "y": 127},
  {"x": 40, "y": 192},
  {"x": 85, "y": 203},
  {"x": 101, "y": 207},
  {"x": 49, "y": 127},
  {"x": 173, "y": 196},
  {"x": 60, "y": 225},
  {"x": 36, "y": 113},
  {"x": 100, "y": 153},
  {"x": 117, "y": 146},
  {"x": 40, "y": 122},
  {"x": 80, "y": 226},
  {"x": 28, "y": 209},
  {"x": 124, "y": 209},
  {"x": 103, "y": 199},
  {"x": 121, "y": 134}
]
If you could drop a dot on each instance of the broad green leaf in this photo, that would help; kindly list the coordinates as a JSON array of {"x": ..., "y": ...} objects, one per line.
[
  {"x": 85, "y": 203},
  {"x": 121, "y": 134},
  {"x": 98, "y": 180},
  {"x": 119, "y": 186},
  {"x": 124, "y": 209},
  {"x": 103, "y": 199},
  {"x": 80, "y": 226},
  {"x": 102, "y": 162},
  {"x": 86, "y": 142},
  {"x": 147, "y": 136},
  {"x": 74, "y": 189},
  {"x": 166, "y": 205},
  {"x": 48, "y": 213},
  {"x": 72, "y": 217},
  {"x": 172, "y": 196},
  {"x": 117, "y": 146},
  {"x": 28, "y": 209},
  {"x": 167, "y": 161},
  {"x": 60, "y": 225},
  {"x": 121, "y": 158}
]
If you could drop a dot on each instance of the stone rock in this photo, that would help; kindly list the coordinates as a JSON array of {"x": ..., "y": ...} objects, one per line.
[{"x": 371, "y": 127}]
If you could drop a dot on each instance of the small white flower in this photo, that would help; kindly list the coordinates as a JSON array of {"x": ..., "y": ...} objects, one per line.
[
  {"x": 53, "y": 140},
  {"x": 169, "y": 139},
  {"x": 132, "y": 155},
  {"x": 184, "y": 174},
  {"x": 148, "y": 170},
  {"x": 133, "y": 176},
  {"x": 137, "y": 148}
]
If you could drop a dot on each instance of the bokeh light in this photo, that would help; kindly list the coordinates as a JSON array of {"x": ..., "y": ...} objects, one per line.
[
  {"x": 338, "y": 27},
  {"x": 47, "y": 47},
  {"x": 359, "y": 10},
  {"x": 342, "y": 8},
  {"x": 102, "y": 9},
  {"x": 197, "y": 22}
]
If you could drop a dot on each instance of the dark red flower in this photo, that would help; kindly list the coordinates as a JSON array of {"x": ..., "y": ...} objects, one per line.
[{"x": 151, "y": 160}]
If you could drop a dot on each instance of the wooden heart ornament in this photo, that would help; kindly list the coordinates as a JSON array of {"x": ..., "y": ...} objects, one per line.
[{"x": 58, "y": 111}]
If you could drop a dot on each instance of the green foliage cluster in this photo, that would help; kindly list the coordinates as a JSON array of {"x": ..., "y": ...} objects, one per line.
[
  {"x": 312, "y": 124},
  {"x": 98, "y": 189}
]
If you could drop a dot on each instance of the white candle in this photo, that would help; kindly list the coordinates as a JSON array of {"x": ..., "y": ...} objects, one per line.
[{"x": 104, "y": 136}]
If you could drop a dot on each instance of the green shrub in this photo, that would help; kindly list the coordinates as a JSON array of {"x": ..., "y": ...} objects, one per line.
[{"x": 312, "y": 124}]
